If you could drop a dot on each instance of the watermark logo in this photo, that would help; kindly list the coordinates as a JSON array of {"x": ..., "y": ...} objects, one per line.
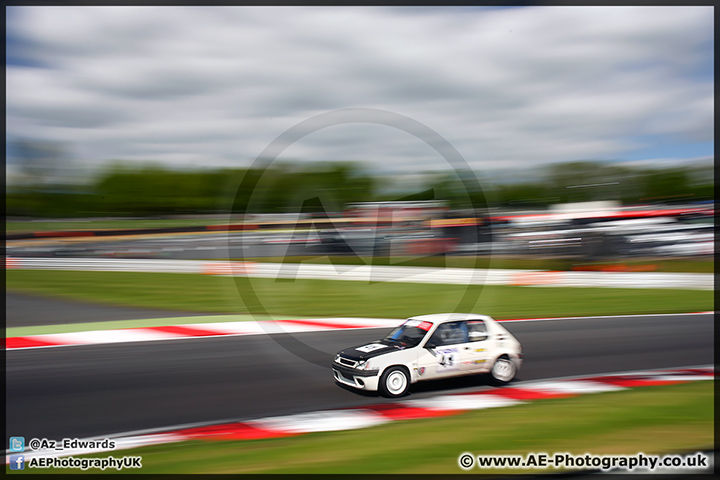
[{"x": 375, "y": 252}]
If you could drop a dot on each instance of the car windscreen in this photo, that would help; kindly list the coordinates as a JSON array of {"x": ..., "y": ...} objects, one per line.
[{"x": 409, "y": 334}]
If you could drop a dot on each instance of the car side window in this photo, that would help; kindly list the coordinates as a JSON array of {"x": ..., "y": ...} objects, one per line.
[
  {"x": 450, "y": 334},
  {"x": 477, "y": 330}
]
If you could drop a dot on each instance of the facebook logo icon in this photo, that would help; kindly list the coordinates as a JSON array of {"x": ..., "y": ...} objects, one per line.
[
  {"x": 17, "y": 462},
  {"x": 17, "y": 444}
]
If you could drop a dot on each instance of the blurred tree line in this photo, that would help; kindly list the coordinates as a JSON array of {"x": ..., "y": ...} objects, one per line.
[
  {"x": 154, "y": 190},
  {"x": 593, "y": 180}
]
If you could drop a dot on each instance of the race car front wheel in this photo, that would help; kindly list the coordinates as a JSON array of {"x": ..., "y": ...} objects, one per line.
[
  {"x": 394, "y": 382},
  {"x": 503, "y": 370}
]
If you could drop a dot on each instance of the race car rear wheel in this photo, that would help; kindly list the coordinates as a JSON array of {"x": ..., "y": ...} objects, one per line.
[
  {"x": 503, "y": 370},
  {"x": 394, "y": 382}
]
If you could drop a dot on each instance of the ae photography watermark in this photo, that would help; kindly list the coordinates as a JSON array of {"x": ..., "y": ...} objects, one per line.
[
  {"x": 20, "y": 462},
  {"x": 254, "y": 186},
  {"x": 587, "y": 461},
  {"x": 43, "y": 453}
]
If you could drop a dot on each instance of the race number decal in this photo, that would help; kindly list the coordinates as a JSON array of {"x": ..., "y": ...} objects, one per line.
[
  {"x": 447, "y": 359},
  {"x": 370, "y": 347}
]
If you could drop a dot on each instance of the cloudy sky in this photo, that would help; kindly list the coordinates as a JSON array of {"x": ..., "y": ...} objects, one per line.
[{"x": 508, "y": 88}]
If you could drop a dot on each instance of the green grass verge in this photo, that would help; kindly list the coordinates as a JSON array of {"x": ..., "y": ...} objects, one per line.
[
  {"x": 706, "y": 265},
  {"x": 652, "y": 420},
  {"x": 318, "y": 298},
  {"x": 46, "y": 225}
]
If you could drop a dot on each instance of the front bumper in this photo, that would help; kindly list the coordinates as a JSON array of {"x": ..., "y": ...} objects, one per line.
[{"x": 360, "y": 379}]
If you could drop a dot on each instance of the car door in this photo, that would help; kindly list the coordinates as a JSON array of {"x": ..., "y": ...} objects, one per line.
[
  {"x": 446, "y": 352},
  {"x": 479, "y": 347}
]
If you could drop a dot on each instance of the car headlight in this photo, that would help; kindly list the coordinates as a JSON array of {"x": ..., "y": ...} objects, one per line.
[
  {"x": 363, "y": 365},
  {"x": 337, "y": 358}
]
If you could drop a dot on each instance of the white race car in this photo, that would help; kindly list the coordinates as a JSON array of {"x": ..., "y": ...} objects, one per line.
[{"x": 429, "y": 347}]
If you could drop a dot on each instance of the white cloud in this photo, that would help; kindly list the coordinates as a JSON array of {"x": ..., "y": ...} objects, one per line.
[{"x": 216, "y": 85}]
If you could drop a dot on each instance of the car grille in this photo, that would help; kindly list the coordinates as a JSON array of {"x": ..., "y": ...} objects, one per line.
[{"x": 347, "y": 362}]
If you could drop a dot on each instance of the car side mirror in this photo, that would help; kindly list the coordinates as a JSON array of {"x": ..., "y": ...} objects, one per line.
[{"x": 430, "y": 345}]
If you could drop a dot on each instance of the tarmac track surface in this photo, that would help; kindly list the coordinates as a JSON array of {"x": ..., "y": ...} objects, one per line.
[
  {"x": 23, "y": 310},
  {"x": 90, "y": 391}
]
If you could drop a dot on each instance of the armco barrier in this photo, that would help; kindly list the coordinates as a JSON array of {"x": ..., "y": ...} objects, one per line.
[{"x": 377, "y": 273}]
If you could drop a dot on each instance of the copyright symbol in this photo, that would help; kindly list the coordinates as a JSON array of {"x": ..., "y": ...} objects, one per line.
[
  {"x": 466, "y": 461},
  {"x": 34, "y": 444}
]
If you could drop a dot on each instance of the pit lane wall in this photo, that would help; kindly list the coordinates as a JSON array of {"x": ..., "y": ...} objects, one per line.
[{"x": 376, "y": 273}]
